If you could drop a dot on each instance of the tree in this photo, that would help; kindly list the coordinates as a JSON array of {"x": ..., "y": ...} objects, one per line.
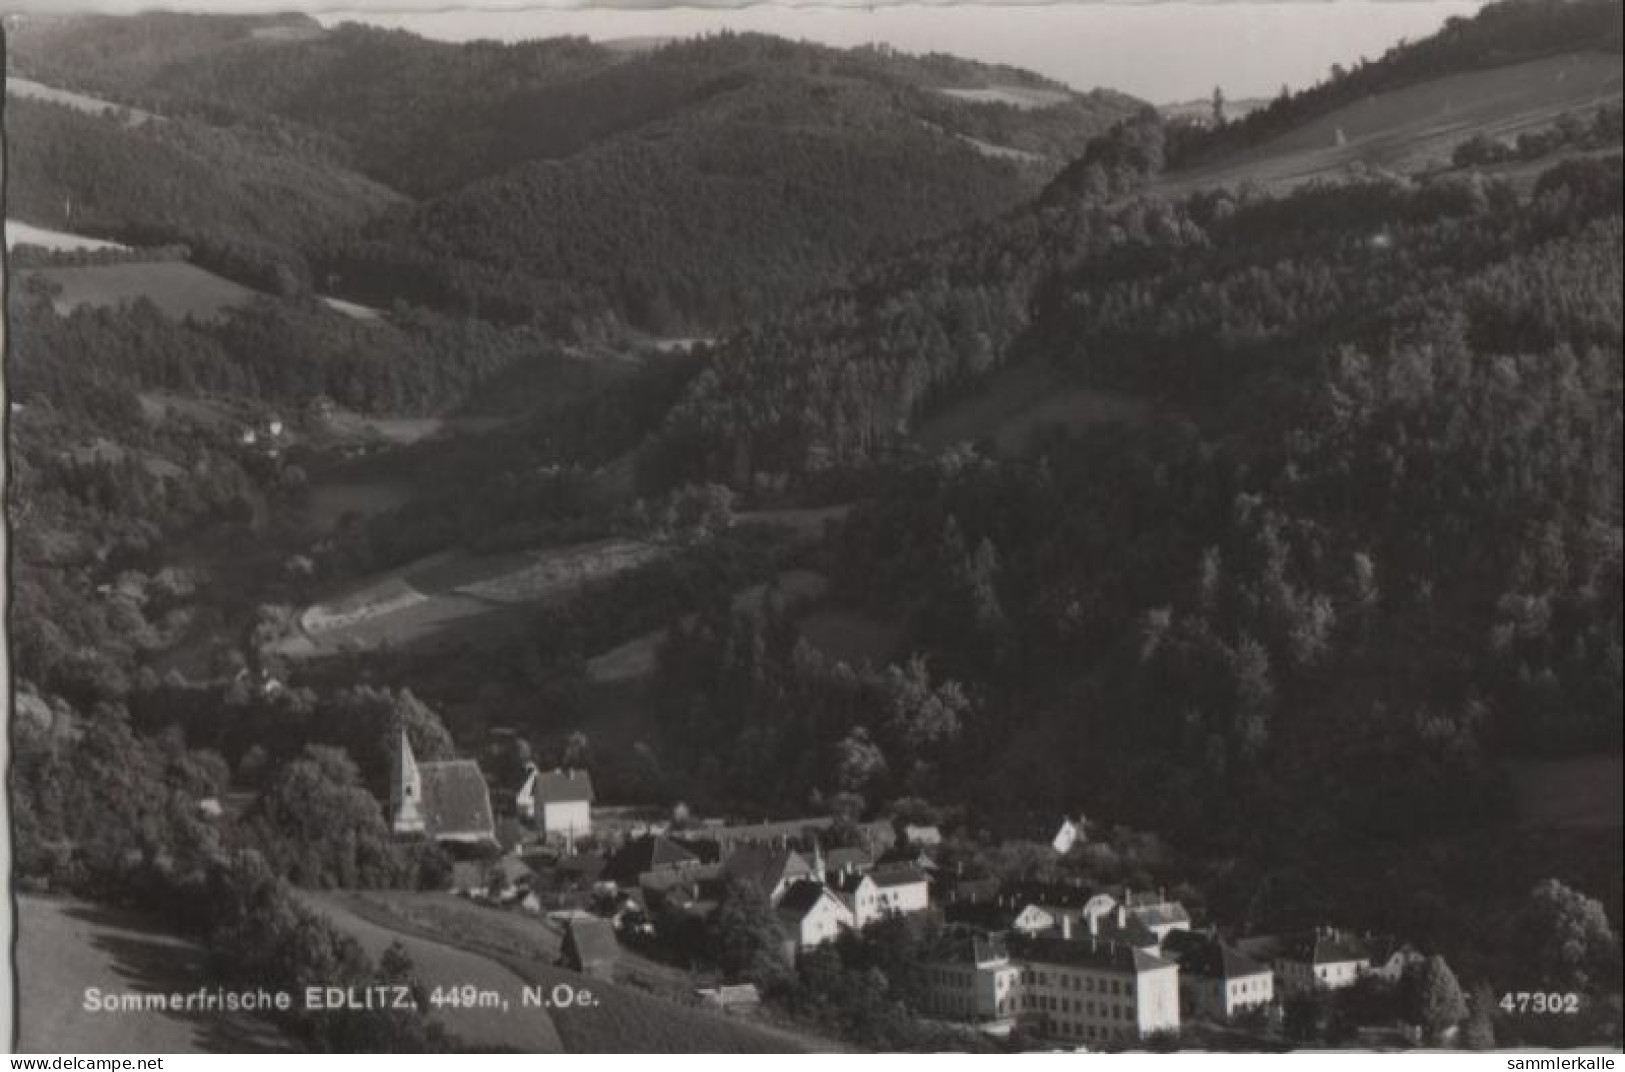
[
  {"x": 1432, "y": 997},
  {"x": 1218, "y": 107},
  {"x": 743, "y": 935},
  {"x": 859, "y": 763},
  {"x": 1304, "y": 1016},
  {"x": 1565, "y": 938},
  {"x": 318, "y": 825}
]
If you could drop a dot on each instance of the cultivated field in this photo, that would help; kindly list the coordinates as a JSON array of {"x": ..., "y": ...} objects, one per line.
[
  {"x": 27, "y": 87},
  {"x": 65, "y": 947},
  {"x": 527, "y": 1030},
  {"x": 26, "y": 234},
  {"x": 423, "y": 602},
  {"x": 1017, "y": 402},
  {"x": 1584, "y": 793},
  {"x": 1023, "y": 97},
  {"x": 1418, "y": 127},
  {"x": 176, "y": 287}
]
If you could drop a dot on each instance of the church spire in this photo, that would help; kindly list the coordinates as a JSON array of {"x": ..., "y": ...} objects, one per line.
[{"x": 405, "y": 789}]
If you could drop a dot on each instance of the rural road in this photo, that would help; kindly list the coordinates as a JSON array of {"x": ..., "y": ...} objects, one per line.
[
  {"x": 436, "y": 964},
  {"x": 65, "y": 947}
]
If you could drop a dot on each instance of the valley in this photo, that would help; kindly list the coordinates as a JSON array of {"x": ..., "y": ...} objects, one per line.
[{"x": 771, "y": 430}]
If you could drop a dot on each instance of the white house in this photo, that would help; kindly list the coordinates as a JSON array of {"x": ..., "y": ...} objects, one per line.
[
  {"x": 1068, "y": 834},
  {"x": 1216, "y": 980},
  {"x": 812, "y": 914},
  {"x": 1320, "y": 959},
  {"x": 901, "y": 888},
  {"x": 860, "y": 895},
  {"x": 559, "y": 802}
]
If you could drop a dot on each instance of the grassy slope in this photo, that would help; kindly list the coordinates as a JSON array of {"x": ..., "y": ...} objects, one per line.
[
  {"x": 65, "y": 947},
  {"x": 622, "y": 1021},
  {"x": 528, "y": 1030},
  {"x": 1417, "y": 127},
  {"x": 178, "y": 288}
]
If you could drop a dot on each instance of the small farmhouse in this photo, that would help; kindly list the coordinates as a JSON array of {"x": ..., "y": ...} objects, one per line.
[
  {"x": 812, "y": 914},
  {"x": 1217, "y": 980},
  {"x": 902, "y": 888},
  {"x": 559, "y": 802},
  {"x": 1323, "y": 958}
]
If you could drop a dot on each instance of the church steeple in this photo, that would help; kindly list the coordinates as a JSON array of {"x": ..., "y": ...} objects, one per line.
[{"x": 405, "y": 790}]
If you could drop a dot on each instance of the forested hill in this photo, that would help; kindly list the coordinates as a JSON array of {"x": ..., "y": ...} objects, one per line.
[
  {"x": 840, "y": 382},
  {"x": 1369, "y": 518},
  {"x": 250, "y": 200},
  {"x": 427, "y": 116},
  {"x": 697, "y": 185},
  {"x": 1361, "y": 513}
]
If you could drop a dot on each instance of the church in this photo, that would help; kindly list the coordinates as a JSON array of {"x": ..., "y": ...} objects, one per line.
[{"x": 446, "y": 800}]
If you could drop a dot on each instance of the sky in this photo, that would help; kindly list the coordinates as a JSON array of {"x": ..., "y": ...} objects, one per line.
[{"x": 1162, "y": 52}]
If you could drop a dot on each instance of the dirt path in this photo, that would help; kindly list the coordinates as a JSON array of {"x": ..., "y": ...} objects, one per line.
[
  {"x": 437, "y": 964},
  {"x": 65, "y": 947}
]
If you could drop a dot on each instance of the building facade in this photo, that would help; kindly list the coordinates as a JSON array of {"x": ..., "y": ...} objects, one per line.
[
  {"x": 970, "y": 977},
  {"x": 1096, "y": 993}
]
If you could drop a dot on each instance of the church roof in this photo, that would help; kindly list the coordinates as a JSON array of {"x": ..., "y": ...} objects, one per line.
[{"x": 456, "y": 802}]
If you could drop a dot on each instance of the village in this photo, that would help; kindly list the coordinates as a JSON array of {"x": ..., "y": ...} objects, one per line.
[{"x": 1060, "y": 962}]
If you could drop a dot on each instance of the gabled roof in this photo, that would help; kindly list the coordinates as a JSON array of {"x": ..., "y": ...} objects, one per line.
[
  {"x": 802, "y": 897},
  {"x": 1167, "y": 913},
  {"x": 563, "y": 787},
  {"x": 1208, "y": 956},
  {"x": 893, "y": 875},
  {"x": 1130, "y": 931},
  {"x": 848, "y": 856},
  {"x": 850, "y": 882},
  {"x": 764, "y": 867},
  {"x": 1384, "y": 947},
  {"x": 1100, "y": 955},
  {"x": 1319, "y": 945},
  {"x": 993, "y": 915},
  {"x": 1053, "y": 894},
  {"x": 589, "y": 941},
  {"x": 917, "y": 855},
  {"x": 456, "y": 801},
  {"x": 967, "y": 947}
]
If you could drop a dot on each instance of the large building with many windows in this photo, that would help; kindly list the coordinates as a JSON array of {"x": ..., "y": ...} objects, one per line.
[{"x": 1093, "y": 992}]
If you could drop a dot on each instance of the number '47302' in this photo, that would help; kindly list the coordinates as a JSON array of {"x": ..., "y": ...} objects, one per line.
[{"x": 1540, "y": 1002}]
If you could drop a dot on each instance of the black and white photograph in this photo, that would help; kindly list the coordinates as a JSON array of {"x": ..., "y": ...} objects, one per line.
[{"x": 851, "y": 528}]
